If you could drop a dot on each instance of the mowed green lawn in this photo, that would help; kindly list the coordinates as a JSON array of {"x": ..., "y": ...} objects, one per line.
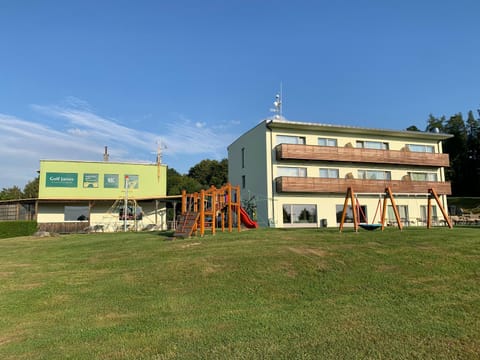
[{"x": 275, "y": 294}]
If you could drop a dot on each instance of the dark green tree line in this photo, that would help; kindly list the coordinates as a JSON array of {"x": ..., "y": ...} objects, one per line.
[
  {"x": 463, "y": 149},
  {"x": 30, "y": 191},
  {"x": 200, "y": 176},
  {"x": 210, "y": 172}
]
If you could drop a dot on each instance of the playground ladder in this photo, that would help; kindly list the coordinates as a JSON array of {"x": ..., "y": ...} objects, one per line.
[{"x": 186, "y": 224}]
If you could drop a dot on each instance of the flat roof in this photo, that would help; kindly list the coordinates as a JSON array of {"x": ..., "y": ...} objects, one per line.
[
  {"x": 296, "y": 125},
  {"x": 105, "y": 162}
]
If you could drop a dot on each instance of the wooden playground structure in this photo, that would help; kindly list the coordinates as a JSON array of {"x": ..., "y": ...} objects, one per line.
[
  {"x": 210, "y": 209},
  {"x": 388, "y": 195}
]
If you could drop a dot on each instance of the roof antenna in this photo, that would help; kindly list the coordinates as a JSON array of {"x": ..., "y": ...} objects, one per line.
[
  {"x": 278, "y": 105},
  {"x": 105, "y": 154},
  {"x": 160, "y": 147}
]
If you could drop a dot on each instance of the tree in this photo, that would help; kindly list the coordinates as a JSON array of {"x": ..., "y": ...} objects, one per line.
[
  {"x": 30, "y": 191},
  {"x": 412, "y": 128},
  {"x": 435, "y": 123},
  {"x": 177, "y": 182},
  {"x": 13, "y": 193},
  {"x": 456, "y": 147},
  {"x": 210, "y": 172},
  {"x": 473, "y": 136},
  {"x": 472, "y": 161}
]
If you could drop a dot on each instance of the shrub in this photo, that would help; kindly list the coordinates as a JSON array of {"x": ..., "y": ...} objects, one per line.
[{"x": 17, "y": 228}]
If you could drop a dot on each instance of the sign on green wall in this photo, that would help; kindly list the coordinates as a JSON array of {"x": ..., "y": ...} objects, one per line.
[
  {"x": 110, "y": 181},
  {"x": 132, "y": 181},
  {"x": 90, "y": 180},
  {"x": 56, "y": 179}
]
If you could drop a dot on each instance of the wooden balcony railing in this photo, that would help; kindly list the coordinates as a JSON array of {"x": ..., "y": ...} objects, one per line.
[
  {"x": 290, "y": 184},
  {"x": 331, "y": 153}
]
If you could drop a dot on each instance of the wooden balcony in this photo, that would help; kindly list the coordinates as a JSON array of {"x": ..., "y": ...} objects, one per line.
[
  {"x": 290, "y": 184},
  {"x": 356, "y": 155}
]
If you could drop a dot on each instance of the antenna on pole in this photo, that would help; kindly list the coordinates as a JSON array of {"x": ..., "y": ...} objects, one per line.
[
  {"x": 159, "y": 152},
  {"x": 160, "y": 147},
  {"x": 278, "y": 103},
  {"x": 105, "y": 154}
]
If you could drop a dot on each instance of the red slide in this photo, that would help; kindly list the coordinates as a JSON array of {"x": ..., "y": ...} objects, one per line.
[{"x": 249, "y": 223}]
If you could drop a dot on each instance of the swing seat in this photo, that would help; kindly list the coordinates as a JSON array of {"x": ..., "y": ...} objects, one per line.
[{"x": 370, "y": 226}]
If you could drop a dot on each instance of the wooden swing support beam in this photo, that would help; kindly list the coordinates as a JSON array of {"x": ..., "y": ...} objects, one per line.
[
  {"x": 433, "y": 193},
  {"x": 389, "y": 194}
]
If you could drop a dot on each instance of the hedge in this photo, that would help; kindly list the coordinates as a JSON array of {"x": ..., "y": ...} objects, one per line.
[{"x": 17, "y": 228}]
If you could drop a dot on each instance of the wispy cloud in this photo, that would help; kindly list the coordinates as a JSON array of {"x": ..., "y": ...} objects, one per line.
[
  {"x": 186, "y": 137},
  {"x": 82, "y": 134}
]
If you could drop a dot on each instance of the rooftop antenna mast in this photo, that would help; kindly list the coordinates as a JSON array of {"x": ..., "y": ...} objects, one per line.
[
  {"x": 105, "y": 154},
  {"x": 159, "y": 153},
  {"x": 278, "y": 105},
  {"x": 160, "y": 146}
]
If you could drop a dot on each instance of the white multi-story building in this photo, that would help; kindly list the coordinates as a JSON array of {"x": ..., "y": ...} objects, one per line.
[{"x": 298, "y": 173}]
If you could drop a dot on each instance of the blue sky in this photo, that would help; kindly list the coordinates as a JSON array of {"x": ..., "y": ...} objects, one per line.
[{"x": 78, "y": 75}]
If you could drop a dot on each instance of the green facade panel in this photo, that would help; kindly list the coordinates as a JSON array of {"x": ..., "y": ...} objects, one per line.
[
  {"x": 61, "y": 179},
  {"x": 100, "y": 180}
]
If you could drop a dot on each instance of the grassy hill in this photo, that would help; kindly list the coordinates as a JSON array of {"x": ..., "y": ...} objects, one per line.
[{"x": 279, "y": 294}]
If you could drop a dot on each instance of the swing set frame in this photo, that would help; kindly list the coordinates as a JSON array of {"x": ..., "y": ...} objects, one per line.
[{"x": 388, "y": 195}]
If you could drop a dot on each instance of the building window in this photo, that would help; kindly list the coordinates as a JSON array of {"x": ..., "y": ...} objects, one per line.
[
  {"x": 299, "y": 214},
  {"x": 76, "y": 213},
  {"x": 374, "y": 175},
  {"x": 327, "y": 142},
  {"x": 243, "y": 182},
  {"x": 361, "y": 213},
  {"x": 291, "y": 171},
  {"x": 423, "y": 176},
  {"x": 378, "y": 145},
  {"x": 329, "y": 173},
  {"x": 243, "y": 158},
  {"x": 421, "y": 148},
  {"x": 288, "y": 139},
  {"x": 423, "y": 213},
  {"x": 402, "y": 212}
]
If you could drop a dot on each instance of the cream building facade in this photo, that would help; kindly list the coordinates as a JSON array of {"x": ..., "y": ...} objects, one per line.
[
  {"x": 298, "y": 173},
  {"x": 74, "y": 195}
]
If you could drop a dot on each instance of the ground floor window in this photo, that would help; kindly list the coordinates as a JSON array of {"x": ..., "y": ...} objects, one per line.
[
  {"x": 424, "y": 213},
  {"x": 76, "y": 213},
  {"x": 402, "y": 212},
  {"x": 361, "y": 214},
  {"x": 299, "y": 214}
]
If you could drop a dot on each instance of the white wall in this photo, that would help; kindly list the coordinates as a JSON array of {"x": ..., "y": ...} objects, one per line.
[
  {"x": 255, "y": 168},
  {"x": 101, "y": 213}
]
